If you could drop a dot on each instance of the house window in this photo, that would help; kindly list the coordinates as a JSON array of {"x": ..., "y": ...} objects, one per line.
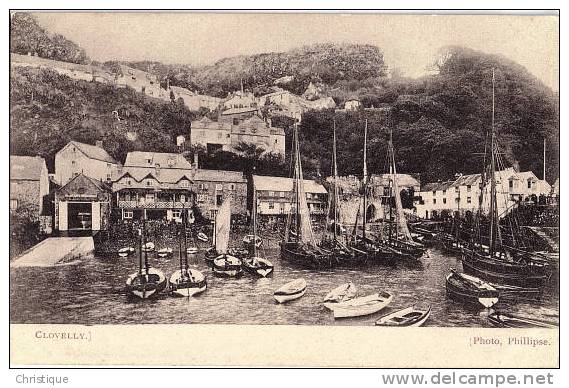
[
  {"x": 108, "y": 165},
  {"x": 434, "y": 193},
  {"x": 13, "y": 204},
  {"x": 128, "y": 182},
  {"x": 282, "y": 194},
  {"x": 73, "y": 163},
  {"x": 218, "y": 200},
  {"x": 469, "y": 188},
  {"x": 271, "y": 193},
  {"x": 185, "y": 184},
  {"x": 228, "y": 135},
  {"x": 127, "y": 197},
  {"x": 434, "y": 201},
  {"x": 468, "y": 199},
  {"x": 202, "y": 133},
  {"x": 444, "y": 192},
  {"x": 219, "y": 187},
  {"x": 127, "y": 214},
  {"x": 149, "y": 161},
  {"x": 182, "y": 198},
  {"x": 444, "y": 200},
  {"x": 150, "y": 197},
  {"x": 529, "y": 184},
  {"x": 457, "y": 200},
  {"x": 511, "y": 183},
  {"x": 203, "y": 186},
  {"x": 232, "y": 187},
  {"x": 176, "y": 213},
  {"x": 148, "y": 183},
  {"x": 271, "y": 205},
  {"x": 457, "y": 189}
]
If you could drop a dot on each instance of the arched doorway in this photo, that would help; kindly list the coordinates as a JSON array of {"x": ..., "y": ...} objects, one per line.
[{"x": 370, "y": 213}]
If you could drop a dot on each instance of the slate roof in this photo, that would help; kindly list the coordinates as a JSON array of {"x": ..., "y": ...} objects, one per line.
[
  {"x": 273, "y": 183},
  {"x": 164, "y": 159},
  {"x": 26, "y": 167},
  {"x": 94, "y": 152},
  {"x": 219, "y": 176}
]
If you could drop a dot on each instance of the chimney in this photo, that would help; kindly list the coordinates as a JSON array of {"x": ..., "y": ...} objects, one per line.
[
  {"x": 196, "y": 159},
  {"x": 99, "y": 143}
]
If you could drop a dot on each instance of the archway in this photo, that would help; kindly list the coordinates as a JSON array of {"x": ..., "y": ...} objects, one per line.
[{"x": 370, "y": 213}]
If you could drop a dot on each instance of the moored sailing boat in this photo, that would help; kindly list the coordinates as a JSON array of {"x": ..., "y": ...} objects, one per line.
[
  {"x": 299, "y": 244},
  {"x": 225, "y": 265},
  {"x": 255, "y": 264},
  {"x": 147, "y": 282},
  {"x": 499, "y": 263}
]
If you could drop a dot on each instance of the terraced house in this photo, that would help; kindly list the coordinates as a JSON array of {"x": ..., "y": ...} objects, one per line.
[{"x": 29, "y": 184}]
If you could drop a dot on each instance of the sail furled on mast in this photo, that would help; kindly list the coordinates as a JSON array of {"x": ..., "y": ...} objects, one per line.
[
  {"x": 222, "y": 224},
  {"x": 400, "y": 214}
]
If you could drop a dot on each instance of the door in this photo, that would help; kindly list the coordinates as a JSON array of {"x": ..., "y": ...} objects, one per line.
[
  {"x": 62, "y": 216},
  {"x": 96, "y": 216}
]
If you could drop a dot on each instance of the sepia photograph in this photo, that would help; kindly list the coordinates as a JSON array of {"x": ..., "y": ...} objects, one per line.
[{"x": 375, "y": 170}]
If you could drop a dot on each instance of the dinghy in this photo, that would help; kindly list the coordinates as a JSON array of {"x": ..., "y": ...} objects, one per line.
[
  {"x": 505, "y": 320},
  {"x": 364, "y": 305},
  {"x": 148, "y": 247},
  {"x": 290, "y": 291},
  {"x": 147, "y": 282},
  {"x": 186, "y": 281},
  {"x": 258, "y": 266},
  {"x": 225, "y": 265},
  {"x": 165, "y": 252},
  {"x": 409, "y": 316},
  {"x": 339, "y": 294},
  {"x": 126, "y": 251},
  {"x": 471, "y": 290},
  {"x": 202, "y": 237}
]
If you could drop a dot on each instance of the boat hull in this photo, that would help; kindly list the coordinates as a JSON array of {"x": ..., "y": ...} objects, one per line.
[
  {"x": 409, "y": 317},
  {"x": 227, "y": 266},
  {"x": 459, "y": 291},
  {"x": 263, "y": 268},
  {"x": 504, "y": 320},
  {"x": 290, "y": 291},
  {"x": 361, "y": 306},
  {"x": 182, "y": 285},
  {"x": 146, "y": 285},
  {"x": 513, "y": 279}
]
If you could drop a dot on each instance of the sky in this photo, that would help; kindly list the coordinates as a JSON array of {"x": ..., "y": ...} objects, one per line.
[{"x": 409, "y": 42}]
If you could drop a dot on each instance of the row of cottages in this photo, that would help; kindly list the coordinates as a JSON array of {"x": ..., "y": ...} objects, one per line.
[
  {"x": 285, "y": 103},
  {"x": 462, "y": 195},
  {"x": 226, "y": 136},
  {"x": 274, "y": 195},
  {"x": 195, "y": 101},
  {"x": 378, "y": 195},
  {"x": 141, "y": 81}
]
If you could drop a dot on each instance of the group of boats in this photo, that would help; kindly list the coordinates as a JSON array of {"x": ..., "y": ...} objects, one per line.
[
  {"x": 494, "y": 269},
  {"x": 392, "y": 245},
  {"x": 344, "y": 303}
]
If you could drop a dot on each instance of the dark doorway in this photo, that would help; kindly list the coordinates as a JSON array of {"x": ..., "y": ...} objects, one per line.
[
  {"x": 79, "y": 215},
  {"x": 370, "y": 213}
]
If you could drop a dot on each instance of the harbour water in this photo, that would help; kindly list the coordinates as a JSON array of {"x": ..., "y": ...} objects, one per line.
[{"x": 91, "y": 291}]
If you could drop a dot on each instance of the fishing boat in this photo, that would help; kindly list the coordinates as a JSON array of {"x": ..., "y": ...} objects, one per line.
[
  {"x": 340, "y": 252},
  {"x": 299, "y": 245},
  {"x": 254, "y": 263},
  {"x": 342, "y": 293},
  {"x": 364, "y": 305},
  {"x": 290, "y": 291},
  {"x": 186, "y": 281},
  {"x": 202, "y": 237},
  {"x": 506, "y": 320},
  {"x": 470, "y": 290},
  {"x": 147, "y": 282},
  {"x": 165, "y": 252},
  {"x": 148, "y": 247},
  {"x": 126, "y": 251},
  {"x": 501, "y": 263},
  {"x": 517, "y": 294},
  {"x": 406, "y": 317},
  {"x": 192, "y": 250},
  {"x": 225, "y": 265}
]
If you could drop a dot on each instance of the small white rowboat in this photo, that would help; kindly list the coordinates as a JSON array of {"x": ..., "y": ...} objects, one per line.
[
  {"x": 202, "y": 237},
  {"x": 409, "y": 316},
  {"x": 146, "y": 284},
  {"x": 192, "y": 250},
  {"x": 339, "y": 294},
  {"x": 227, "y": 266},
  {"x": 364, "y": 305},
  {"x": 126, "y": 251},
  {"x": 148, "y": 247},
  {"x": 290, "y": 291},
  {"x": 165, "y": 252}
]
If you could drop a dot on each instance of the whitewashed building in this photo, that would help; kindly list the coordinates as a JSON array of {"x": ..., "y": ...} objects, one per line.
[{"x": 80, "y": 158}]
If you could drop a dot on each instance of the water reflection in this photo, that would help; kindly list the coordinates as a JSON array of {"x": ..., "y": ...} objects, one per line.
[{"x": 92, "y": 292}]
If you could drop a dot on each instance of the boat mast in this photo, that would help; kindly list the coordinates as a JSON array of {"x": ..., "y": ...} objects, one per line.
[
  {"x": 254, "y": 221},
  {"x": 140, "y": 251},
  {"x": 364, "y": 213},
  {"x": 144, "y": 244},
  {"x": 335, "y": 185},
  {"x": 297, "y": 183},
  {"x": 492, "y": 177},
  {"x": 185, "y": 221}
]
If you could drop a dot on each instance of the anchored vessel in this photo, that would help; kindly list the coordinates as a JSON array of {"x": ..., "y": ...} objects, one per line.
[
  {"x": 254, "y": 263},
  {"x": 225, "y": 265}
]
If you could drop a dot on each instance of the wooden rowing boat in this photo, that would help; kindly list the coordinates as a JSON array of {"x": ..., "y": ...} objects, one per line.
[
  {"x": 342, "y": 293},
  {"x": 409, "y": 316},
  {"x": 506, "y": 320},
  {"x": 364, "y": 305},
  {"x": 290, "y": 291},
  {"x": 187, "y": 283},
  {"x": 258, "y": 266},
  {"x": 470, "y": 290}
]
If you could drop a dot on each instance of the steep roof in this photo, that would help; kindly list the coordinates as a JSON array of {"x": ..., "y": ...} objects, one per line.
[
  {"x": 164, "y": 160},
  {"x": 467, "y": 180},
  {"x": 161, "y": 175},
  {"x": 79, "y": 181},
  {"x": 273, "y": 183},
  {"x": 210, "y": 124},
  {"x": 93, "y": 152},
  {"x": 26, "y": 167}
]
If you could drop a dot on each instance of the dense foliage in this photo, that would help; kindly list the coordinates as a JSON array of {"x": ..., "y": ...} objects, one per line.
[{"x": 27, "y": 37}]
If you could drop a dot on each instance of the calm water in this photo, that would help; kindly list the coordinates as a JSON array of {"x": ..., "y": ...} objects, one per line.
[{"x": 92, "y": 292}]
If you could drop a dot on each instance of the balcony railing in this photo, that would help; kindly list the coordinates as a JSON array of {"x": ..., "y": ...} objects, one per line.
[{"x": 153, "y": 205}]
